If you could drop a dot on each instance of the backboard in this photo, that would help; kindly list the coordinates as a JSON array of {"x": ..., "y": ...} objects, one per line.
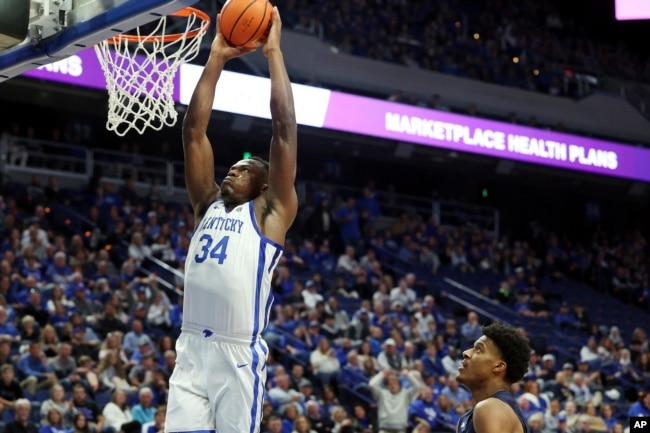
[{"x": 61, "y": 28}]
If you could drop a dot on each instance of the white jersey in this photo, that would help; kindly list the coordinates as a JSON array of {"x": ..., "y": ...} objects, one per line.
[{"x": 228, "y": 274}]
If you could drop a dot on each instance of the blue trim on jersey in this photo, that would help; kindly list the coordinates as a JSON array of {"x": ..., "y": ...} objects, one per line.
[
  {"x": 251, "y": 208},
  {"x": 274, "y": 260},
  {"x": 256, "y": 326}
]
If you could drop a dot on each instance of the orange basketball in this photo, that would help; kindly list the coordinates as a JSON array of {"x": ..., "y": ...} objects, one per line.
[{"x": 246, "y": 23}]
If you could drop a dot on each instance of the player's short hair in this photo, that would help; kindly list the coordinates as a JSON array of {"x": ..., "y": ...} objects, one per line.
[
  {"x": 514, "y": 349},
  {"x": 262, "y": 161}
]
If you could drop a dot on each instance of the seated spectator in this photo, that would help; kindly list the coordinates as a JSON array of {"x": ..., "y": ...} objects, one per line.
[
  {"x": 134, "y": 337},
  {"x": 10, "y": 390},
  {"x": 324, "y": 363},
  {"x": 81, "y": 424},
  {"x": 7, "y": 328},
  {"x": 81, "y": 404},
  {"x": 144, "y": 410},
  {"x": 53, "y": 422},
  {"x": 538, "y": 305},
  {"x": 642, "y": 406},
  {"x": 113, "y": 342},
  {"x": 143, "y": 373},
  {"x": 112, "y": 373},
  {"x": 29, "y": 331},
  {"x": 471, "y": 329},
  {"x": 536, "y": 422},
  {"x": 64, "y": 366},
  {"x": 341, "y": 317},
  {"x": 57, "y": 402},
  {"x": 623, "y": 372},
  {"x": 283, "y": 396},
  {"x": 289, "y": 417},
  {"x": 457, "y": 394},
  {"x": 424, "y": 410},
  {"x": 564, "y": 319},
  {"x": 117, "y": 412},
  {"x": 87, "y": 374},
  {"x": 352, "y": 374},
  {"x": 608, "y": 416},
  {"x": 403, "y": 293},
  {"x": 320, "y": 421},
  {"x": 22, "y": 422},
  {"x": 589, "y": 352},
  {"x": 390, "y": 358},
  {"x": 311, "y": 295},
  {"x": 362, "y": 419},
  {"x": 452, "y": 361},
  {"x": 347, "y": 263},
  {"x": 158, "y": 423},
  {"x": 303, "y": 425},
  {"x": 35, "y": 370}
]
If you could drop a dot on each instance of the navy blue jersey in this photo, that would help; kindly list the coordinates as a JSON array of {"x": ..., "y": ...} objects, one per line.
[{"x": 466, "y": 422}]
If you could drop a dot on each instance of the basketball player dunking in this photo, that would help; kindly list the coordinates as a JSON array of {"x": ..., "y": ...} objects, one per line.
[
  {"x": 219, "y": 379},
  {"x": 498, "y": 359}
]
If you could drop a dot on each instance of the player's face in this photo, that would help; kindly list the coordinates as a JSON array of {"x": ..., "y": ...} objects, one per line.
[
  {"x": 244, "y": 181},
  {"x": 479, "y": 362}
]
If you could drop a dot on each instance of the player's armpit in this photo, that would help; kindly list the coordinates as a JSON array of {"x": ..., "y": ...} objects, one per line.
[{"x": 494, "y": 416}]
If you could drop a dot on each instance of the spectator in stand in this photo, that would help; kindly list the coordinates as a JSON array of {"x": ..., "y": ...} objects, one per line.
[
  {"x": 642, "y": 406},
  {"x": 35, "y": 370},
  {"x": 347, "y": 219},
  {"x": 347, "y": 263},
  {"x": 283, "y": 396},
  {"x": 117, "y": 411},
  {"x": 10, "y": 389},
  {"x": 392, "y": 400},
  {"x": 323, "y": 224},
  {"x": 81, "y": 404},
  {"x": 564, "y": 319},
  {"x": 471, "y": 330},
  {"x": 424, "y": 410},
  {"x": 144, "y": 410},
  {"x": 308, "y": 255},
  {"x": 64, "y": 366},
  {"x": 352, "y": 374},
  {"x": 135, "y": 336},
  {"x": 56, "y": 401},
  {"x": 403, "y": 293},
  {"x": 324, "y": 363},
  {"x": 22, "y": 422},
  {"x": 53, "y": 422},
  {"x": 390, "y": 358},
  {"x": 81, "y": 424},
  {"x": 311, "y": 295},
  {"x": 459, "y": 396},
  {"x": 590, "y": 352},
  {"x": 7, "y": 328},
  {"x": 59, "y": 272},
  {"x": 158, "y": 423}
]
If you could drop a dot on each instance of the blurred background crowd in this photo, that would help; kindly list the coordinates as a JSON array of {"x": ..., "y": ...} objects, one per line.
[{"x": 376, "y": 295}]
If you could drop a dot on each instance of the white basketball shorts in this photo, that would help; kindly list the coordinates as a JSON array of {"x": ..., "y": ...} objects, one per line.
[{"x": 217, "y": 385}]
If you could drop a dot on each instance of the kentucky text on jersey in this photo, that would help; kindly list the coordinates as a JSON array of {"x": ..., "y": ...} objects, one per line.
[{"x": 221, "y": 223}]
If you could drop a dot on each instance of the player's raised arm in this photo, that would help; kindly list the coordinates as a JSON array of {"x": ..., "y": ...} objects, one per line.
[
  {"x": 282, "y": 155},
  {"x": 199, "y": 159}
]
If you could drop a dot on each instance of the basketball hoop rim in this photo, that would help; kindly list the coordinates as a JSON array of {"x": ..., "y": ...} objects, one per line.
[{"x": 185, "y": 12}]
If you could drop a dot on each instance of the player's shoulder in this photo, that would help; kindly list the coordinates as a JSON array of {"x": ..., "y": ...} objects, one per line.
[
  {"x": 494, "y": 411},
  {"x": 493, "y": 407}
]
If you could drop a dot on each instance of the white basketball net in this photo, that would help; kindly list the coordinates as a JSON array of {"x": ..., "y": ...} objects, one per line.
[{"x": 140, "y": 76}]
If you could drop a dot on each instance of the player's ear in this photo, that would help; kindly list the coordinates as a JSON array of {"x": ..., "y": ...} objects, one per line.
[
  {"x": 265, "y": 186},
  {"x": 499, "y": 366}
]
